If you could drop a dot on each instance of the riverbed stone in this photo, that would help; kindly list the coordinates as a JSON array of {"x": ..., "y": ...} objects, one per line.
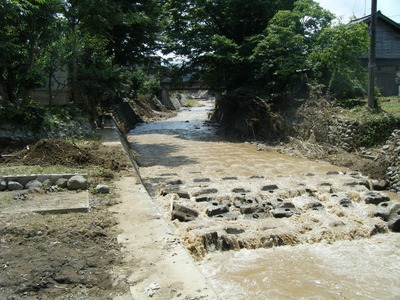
[
  {"x": 257, "y": 177},
  {"x": 168, "y": 174},
  {"x": 14, "y": 186},
  {"x": 251, "y": 209},
  {"x": 374, "y": 198},
  {"x": 183, "y": 194},
  {"x": 208, "y": 191},
  {"x": 174, "y": 182},
  {"x": 269, "y": 187},
  {"x": 229, "y": 178},
  {"x": 315, "y": 205},
  {"x": 204, "y": 198},
  {"x": 379, "y": 185},
  {"x": 183, "y": 213},
  {"x": 201, "y": 180},
  {"x": 394, "y": 218},
  {"x": 210, "y": 241},
  {"x": 233, "y": 230},
  {"x": 255, "y": 216},
  {"x": 240, "y": 191},
  {"x": 77, "y": 182},
  {"x": 332, "y": 173},
  {"x": 282, "y": 208},
  {"x": 217, "y": 210},
  {"x": 284, "y": 212},
  {"x": 384, "y": 209},
  {"x": 279, "y": 202},
  {"x": 169, "y": 190},
  {"x": 345, "y": 202}
]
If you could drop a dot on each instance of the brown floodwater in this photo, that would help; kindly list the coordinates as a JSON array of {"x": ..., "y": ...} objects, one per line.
[{"x": 329, "y": 254}]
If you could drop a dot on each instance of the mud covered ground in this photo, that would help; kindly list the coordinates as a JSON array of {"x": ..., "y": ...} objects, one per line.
[
  {"x": 63, "y": 256},
  {"x": 368, "y": 166}
]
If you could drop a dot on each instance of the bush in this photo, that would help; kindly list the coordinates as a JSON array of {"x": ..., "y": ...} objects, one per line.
[
  {"x": 31, "y": 115},
  {"x": 376, "y": 128},
  {"x": 36, "y": 116}
]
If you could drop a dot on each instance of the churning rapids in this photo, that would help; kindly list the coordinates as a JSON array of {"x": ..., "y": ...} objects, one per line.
[{"x": 296, "y": 229}]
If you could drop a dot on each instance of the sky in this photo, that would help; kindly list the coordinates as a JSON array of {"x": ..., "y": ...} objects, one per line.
[{"x": 347, "y": 8}]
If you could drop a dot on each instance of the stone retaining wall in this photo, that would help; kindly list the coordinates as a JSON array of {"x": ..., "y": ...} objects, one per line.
[
  {"x": 391, "y": 153},
  {"x": 344, "y": 134},
  {"x": 72, "y": 129}
]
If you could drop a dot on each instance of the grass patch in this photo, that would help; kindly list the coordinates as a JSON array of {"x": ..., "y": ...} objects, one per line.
[
  {"x": 24, "y": 169},
  {"x": 356, "y": 109}
]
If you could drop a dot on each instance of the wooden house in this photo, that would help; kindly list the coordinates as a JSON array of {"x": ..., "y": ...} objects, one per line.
[{"x": 387, "y": 54}]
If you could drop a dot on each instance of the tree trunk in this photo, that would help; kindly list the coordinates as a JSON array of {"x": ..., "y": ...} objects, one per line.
[{"x": 75, "y": 96}]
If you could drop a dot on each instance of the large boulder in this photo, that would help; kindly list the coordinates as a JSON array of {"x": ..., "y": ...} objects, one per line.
[
  {"x": 77, "y": 182},
  {"x": 102, "y": 189},
  {"x": 15, "y": 186},
  {"x": 62, "y": 183},
  {"x": 33, "y": 184},
  {"x": 389, "y": 211},
  {"x": 3, "y": 185}
]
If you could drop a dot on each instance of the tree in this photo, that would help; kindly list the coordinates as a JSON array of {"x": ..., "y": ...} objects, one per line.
[
  {"x": 217, "y": 37},
  {"x": 106, "y": 36},
  {"x": 336, "y": 62},
  {"x": 281, "y": 55},
  {"x": 23, "y": 34}
]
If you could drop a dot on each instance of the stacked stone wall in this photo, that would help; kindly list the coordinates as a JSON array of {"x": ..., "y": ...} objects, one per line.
[
  {"x": 391, "y": 153},
  {"x": 344, "y": 134},
  {"x": 348, "y": 135}
]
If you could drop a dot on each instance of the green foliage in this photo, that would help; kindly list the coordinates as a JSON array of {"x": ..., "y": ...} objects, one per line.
[
  {"x": 23, "y": 33},
  {"x": 31, "y": 115},
  {"x": 36, "y": 116},
  {"x": 98, "y": 42},
  {"x": 218, "y": 36},
  {"x": 282, "y": 52},
  {"x": 376, "y": 128},
  {"x": 335, "y": 59}
]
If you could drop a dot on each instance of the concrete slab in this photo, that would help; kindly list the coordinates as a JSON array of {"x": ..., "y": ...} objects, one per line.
[{"x": 57, "y": 202}]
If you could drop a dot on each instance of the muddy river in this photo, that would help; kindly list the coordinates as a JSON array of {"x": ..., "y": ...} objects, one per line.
[{"x": 263, "y": 225}]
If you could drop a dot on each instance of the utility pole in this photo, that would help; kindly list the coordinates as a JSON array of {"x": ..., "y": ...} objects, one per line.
[{"x": 372, "y": 58}]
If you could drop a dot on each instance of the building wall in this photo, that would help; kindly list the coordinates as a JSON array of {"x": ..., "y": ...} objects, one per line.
[
  {"x": 387, "y": 41},
  {"x": 387, "y": 58}
]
